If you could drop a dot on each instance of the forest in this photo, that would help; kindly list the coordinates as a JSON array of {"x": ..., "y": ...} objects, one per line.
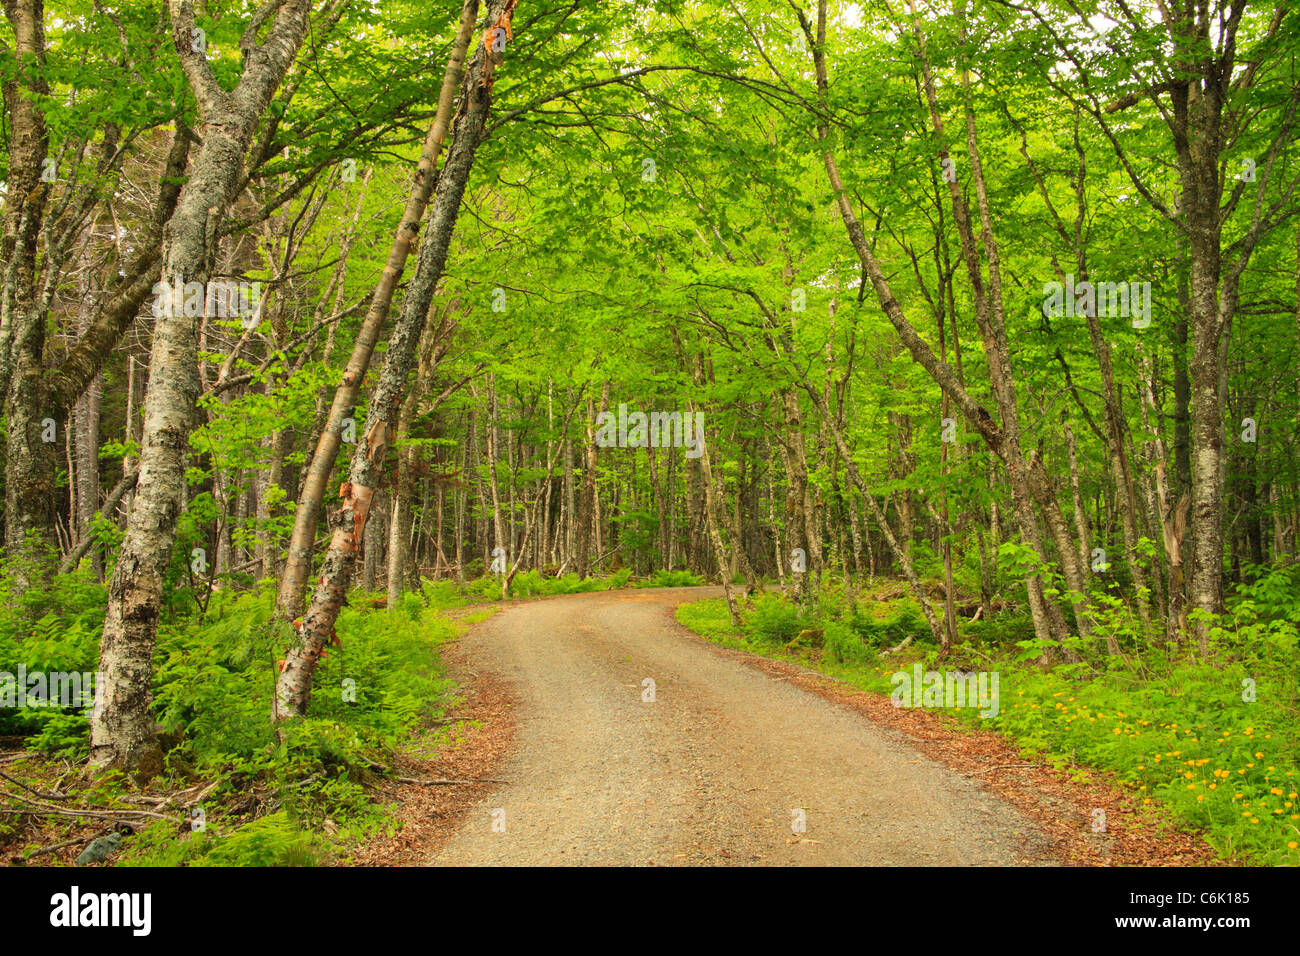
[{"x": 963, "y": 333}]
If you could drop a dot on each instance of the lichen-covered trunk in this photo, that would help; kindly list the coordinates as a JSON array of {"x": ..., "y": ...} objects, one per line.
[
  {"x": 298, "y": 560},
  {"x": 31, "y": 421},
  {"x": 802, "y": 531},
  {"x": 293, "y": 687},
  {"x": 85, "y": 437},
  {"x": 399, "y": 536},
  {"x": 713, "y": 508},
  {"x": 373, "y": 555},
  {"x": 1208, "y": 338},
  {"x": 121, "y": 732}
]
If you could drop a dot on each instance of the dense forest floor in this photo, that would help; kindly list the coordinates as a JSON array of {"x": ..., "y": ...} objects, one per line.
[{"x": 461, "y": 707}]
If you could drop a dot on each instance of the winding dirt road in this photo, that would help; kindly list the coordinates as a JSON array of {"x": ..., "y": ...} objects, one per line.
[{"x": 714, "y": 769}]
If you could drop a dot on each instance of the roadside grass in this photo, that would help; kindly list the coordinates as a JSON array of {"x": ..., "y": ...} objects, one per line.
[{"x": 1214, "y": 743}]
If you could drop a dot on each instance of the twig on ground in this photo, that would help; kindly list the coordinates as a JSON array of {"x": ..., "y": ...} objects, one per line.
[
  {"x": 69, "y": 812},
  {"x": 47, "y": 796},
  {"x": 1004, "y": 766}
]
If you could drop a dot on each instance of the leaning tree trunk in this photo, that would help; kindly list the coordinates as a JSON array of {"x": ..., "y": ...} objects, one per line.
[
  {"x": 298, "y": 560},
  {"x": 293, "y": 687},
  {"x": 1004, "y": 440}
]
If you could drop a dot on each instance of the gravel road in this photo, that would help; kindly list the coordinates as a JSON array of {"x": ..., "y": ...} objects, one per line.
[{"x": 716, "y": 770}]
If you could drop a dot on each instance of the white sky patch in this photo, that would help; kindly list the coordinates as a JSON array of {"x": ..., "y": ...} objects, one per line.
[{"x": 1101, "y": 24}]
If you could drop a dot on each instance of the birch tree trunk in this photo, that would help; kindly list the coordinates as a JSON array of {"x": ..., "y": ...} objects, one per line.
[
  {"x": 293, "y": 688},
  {"x": 121, "y": 733},
  {"x": 301, "y": 543},
  {"x": 85, "y": 417},
  {"x": 713, "y": 509}
]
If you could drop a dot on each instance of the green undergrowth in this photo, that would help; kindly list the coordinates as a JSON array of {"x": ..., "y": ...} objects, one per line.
[
  {"x": 301, "y": 800},
  {"x": 1212, "y": 744},
  {"x": 536, "y": 584}
]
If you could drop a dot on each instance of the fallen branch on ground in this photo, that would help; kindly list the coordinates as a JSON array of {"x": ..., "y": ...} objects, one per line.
[
  {"x": 47, "y": 809},
  {"x": 47, "y": 796}
]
